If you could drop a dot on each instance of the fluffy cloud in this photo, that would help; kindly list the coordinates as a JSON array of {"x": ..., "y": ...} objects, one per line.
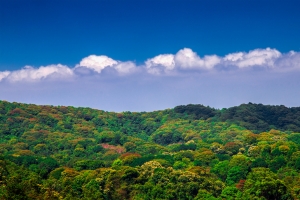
[
  {"x": 29, "y": 73},
  {"x": 183, "y": 61},
  {"x": 288, "y": 62},
  {"x": 161, "y": 63},
  {"x": 4, "y": 74},
  {"x": 258, "y": 57},
  {"x": 124, "y": 68},
  {"x": 97, "y": 63},
  {"x": 187, "y": 59}
]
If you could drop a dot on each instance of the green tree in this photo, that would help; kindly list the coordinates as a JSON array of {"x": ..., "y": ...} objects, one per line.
[
  {"x": 263, "y": 183},
  {"x": 221, "y": 169},
  {"x": 230, "y": 193},
  {"x": 235, "y": 174}
]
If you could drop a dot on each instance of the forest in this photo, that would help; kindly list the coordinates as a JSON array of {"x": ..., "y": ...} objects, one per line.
[{"x": 250, "y": 151}]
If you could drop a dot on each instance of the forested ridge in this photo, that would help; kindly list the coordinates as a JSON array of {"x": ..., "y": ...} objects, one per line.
[{"x": 251, "y": 151}]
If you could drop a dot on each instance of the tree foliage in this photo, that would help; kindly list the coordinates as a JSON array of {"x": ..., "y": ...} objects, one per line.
[{"x": 251, "y": 151}]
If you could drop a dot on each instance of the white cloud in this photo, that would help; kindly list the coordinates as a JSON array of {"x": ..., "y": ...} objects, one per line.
[
  {"x": 187, "y": 59},
  {"x": 125, "y": 67},
  {"x": 29, "y": 73},
  {"x": 288, "y": 62},
  {"x": 183, "y": 61},
  {"x": 4, "y": 74},
  {"x": 160, "y": 63},
  {"x": 104, "y": 83},
  {"x": 97, "y": 63},
  {"x": 258, "y": 57}
]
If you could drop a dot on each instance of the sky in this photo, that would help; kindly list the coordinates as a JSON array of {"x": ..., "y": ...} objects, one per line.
[{"x": 145, "y": 55}]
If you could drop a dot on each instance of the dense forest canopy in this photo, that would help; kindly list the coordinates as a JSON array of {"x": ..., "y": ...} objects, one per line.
[{"x": 251, "y": 151}]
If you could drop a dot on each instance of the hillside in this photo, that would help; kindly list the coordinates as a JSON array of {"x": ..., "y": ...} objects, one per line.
[{"x": 188, "y": 152}]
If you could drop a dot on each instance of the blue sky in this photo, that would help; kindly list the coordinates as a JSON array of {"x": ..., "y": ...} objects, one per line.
[{"x": 149, "y": 54}]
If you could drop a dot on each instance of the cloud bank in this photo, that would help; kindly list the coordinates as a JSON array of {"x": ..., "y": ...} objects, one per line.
[
  {"x": 184, "y": 61},
  {"x": 259, "y": 76},
  {"x": 29, "y": 73}
]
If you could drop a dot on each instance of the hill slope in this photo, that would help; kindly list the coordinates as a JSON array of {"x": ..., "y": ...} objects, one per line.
[{"x": 189, "y": 152}]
